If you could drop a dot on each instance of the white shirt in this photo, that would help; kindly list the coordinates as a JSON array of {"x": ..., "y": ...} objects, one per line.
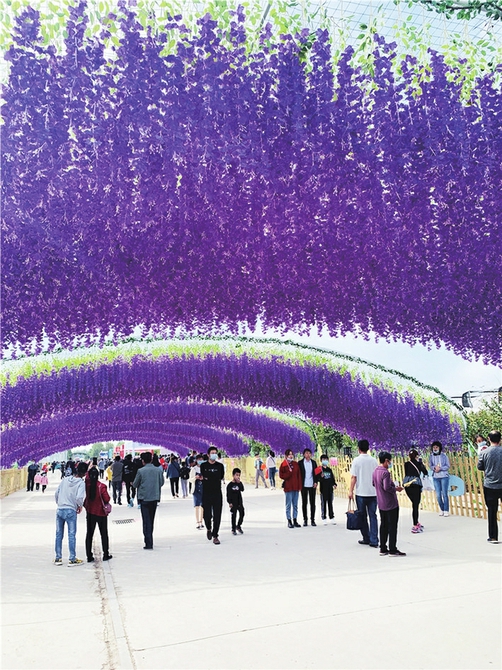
[
  {"x": 362, "y": 468},
  {"x": 309, "y": 474}
]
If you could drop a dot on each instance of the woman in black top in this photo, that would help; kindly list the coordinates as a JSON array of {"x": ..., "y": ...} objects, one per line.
[{"x": 414, "y": 468}]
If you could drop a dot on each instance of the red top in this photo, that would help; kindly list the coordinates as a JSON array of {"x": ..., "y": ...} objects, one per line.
[
  {"x": 290, "y": 472},
  {"x": 96, "y": 506}
]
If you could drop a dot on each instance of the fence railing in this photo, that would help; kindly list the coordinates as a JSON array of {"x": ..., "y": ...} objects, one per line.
[{"x": 470, "y": 503}]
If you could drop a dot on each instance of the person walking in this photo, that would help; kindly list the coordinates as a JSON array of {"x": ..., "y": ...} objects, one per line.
[
  {"x": 388, "y": 505},
  {"x": 258, "y": 466},
  {"x": 235, "y": 489},
  {"x": 309, "y": 484},
  {"x": 490, "y": 462},
  {"x": 196, "y": 481},
  {"x": 362, "y": 469},
  {"x": 212, "y": 473},
  {"x": 272, "y": 469},
  {"x": 326, "y": 479},
  {"x": 148, "y": 482},
  {"x": 128, "y": 478},
  {"x": 44, "y": 481},
  {"x": 289, "y": 472},
  {"x": 173, "y": 474},
  {"x": 413, "y": 471},
  {"x": 440, "y": 466},
  {"x": 184, "y": 477},
  {"x": 69, "y": 497},
  {"x": 101, "y": 467},
  {"x": 96, "y": 496},
  {"x": 117, "y": 473}
]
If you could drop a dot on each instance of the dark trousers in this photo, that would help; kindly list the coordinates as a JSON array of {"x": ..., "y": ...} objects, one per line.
[
  {"x": 30, "y": 483},
  {"x": 101, "y": 474},
  {"x": 388, "y": 529},
  {"x": 129, "y": 490},
  {"x": 492, "y": 497},
  {"x": 117, "y": 491},
  {"x": 175, "y": 485},
  {"x": 148, "y": 509},
  {"x": 327, "y": 501},
  {"x": 234, "y": 510},
  {"x": 308, "y": 495},
  {"x": 102, "y": 523},
  {"x": 212, "y": 506},
  {"x": 414, "y": 493}
]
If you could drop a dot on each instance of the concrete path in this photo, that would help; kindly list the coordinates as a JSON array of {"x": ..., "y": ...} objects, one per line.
[{"x": 271, "y": 598}]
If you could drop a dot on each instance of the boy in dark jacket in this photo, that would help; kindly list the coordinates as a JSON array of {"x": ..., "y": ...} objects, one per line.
[
  {"x": 326, "y": 479},
  {"x": 234, "y": 499}
]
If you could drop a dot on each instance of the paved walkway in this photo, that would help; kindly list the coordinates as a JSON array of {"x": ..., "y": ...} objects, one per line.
[{"x": 271, "y": 598}]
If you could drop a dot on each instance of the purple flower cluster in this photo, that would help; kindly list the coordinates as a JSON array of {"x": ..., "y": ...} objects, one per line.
[
  {"x": 387, "y": 418},
  {"x": 217, "y": 185},
  {"x": 163, "y": 424}
]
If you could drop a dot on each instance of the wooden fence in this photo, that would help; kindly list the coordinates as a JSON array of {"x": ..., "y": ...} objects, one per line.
[{"x": 471, "y": 503}]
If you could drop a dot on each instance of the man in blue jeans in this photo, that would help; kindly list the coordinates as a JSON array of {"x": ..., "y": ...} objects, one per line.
[
  {"x": 148, "y": 482},
  {"x": 362, "y": 470},
  {"x": 69, "y": 496}
]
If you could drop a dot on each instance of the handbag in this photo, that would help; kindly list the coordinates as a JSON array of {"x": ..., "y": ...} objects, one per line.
[
  {"x": 107, "y": 508},
  {"x": 413, "y": 480},
  {"x": 354, "y": 517},
  {"x": 428, "y": 485}
]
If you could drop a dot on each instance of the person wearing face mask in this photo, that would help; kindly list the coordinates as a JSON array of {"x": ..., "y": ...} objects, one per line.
[
  {"x": 326, "y": 479},
  {"x": 289, "y": 472},
  {"x": 388, "y": 505},
  {"x": 212, "y": 473},
  {"x": 196, "y": 481},
  {"x": 440, "y": 466},
  {"x": 309, "y": 484}
]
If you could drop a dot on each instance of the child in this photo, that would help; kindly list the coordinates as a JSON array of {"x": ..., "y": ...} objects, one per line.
[
  {"x": 109, "y": 475},
  {"x": 234, "y": 499},
  {"x": 38, "y": 478},
  {"x": 44, "y": 480},
  {"x": 326, "y": 479}
]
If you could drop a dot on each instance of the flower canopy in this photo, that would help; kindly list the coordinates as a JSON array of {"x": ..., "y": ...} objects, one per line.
[
  {"x": 203, "y": 391},
  {"x": 222, "y": 181}
]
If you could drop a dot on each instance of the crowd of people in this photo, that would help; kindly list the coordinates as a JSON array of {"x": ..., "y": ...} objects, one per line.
[{"x": 203, "y": 477}]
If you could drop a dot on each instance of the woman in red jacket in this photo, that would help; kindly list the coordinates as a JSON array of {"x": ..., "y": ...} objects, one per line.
[
  {"x": 292, "y": 485},
  {"x": 96, "y": 496}
]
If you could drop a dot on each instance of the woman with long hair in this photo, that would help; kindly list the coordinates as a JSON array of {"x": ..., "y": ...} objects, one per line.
[
  {"x": 95, "y": 499},
  {"x": 413, "y": 469}
]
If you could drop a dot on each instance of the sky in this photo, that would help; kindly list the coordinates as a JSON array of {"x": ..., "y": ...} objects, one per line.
[{"x": 441, "y": 368}]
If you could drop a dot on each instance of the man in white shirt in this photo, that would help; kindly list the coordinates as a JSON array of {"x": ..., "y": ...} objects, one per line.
[
  {"x": 309, "y": 485},
  {"x": 362, "y": 470}
]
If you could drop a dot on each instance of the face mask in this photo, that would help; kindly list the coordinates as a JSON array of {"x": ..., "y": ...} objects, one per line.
[
  {"x": 435, "y": 452},
  {"x": 213, "y": 457},
  {"x": 325, "y": 462},
  {"x": 199, "y": 462},
  {"x": 289, "y": 459}
]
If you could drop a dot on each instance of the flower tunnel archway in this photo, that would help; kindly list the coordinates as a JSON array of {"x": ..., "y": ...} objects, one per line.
[{"x": 214, "y": 385}]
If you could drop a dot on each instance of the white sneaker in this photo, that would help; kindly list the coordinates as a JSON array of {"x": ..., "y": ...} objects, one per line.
[
  {"x": 441, "y": 513},
  {"x": 333, "y": 522},
  {"x": 446, "y": 514}
]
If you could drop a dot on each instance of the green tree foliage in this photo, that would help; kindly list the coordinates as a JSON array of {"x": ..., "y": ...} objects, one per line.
[
  {"x": 464, "y": 9},
  {"x": 481, "y": 422}
]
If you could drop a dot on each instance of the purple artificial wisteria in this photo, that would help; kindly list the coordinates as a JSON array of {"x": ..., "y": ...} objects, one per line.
[
  {"x": 165, "y": 424},
  {"x": 215, "y": 186},
  {"x": 387, "y": 418}
]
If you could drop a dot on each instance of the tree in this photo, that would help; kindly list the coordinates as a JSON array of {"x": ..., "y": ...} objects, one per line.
[
  {"x": 465, "y": 9},
  {"x": 488, "y": 418}
]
